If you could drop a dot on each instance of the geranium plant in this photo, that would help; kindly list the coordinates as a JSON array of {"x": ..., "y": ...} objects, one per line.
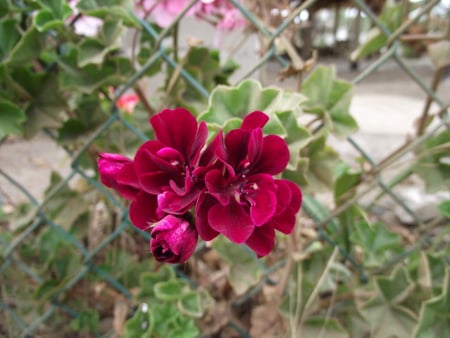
[{"x": 179, "y": 186}]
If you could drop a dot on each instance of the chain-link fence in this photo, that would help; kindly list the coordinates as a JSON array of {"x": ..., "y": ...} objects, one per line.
[{"x": 26, "y": 272}]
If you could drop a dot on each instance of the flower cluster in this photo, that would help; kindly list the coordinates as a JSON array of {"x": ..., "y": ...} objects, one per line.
[
  {"x": 182, "y": 188},
  {"x": 221, "y": 13}
]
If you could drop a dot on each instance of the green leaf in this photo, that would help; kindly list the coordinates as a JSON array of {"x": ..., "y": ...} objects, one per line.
[
  {"x": 113, "y": 72},
  {"x": 323, "y": 327},
  {"x": 245, "y": 269},
  {"x": 297, "y": 137},
  {"x": 316, "y": 167},
  {"x": 94, "y": 51},
  {"x": 47, "y": 109},
  {"x": 88, "y": 320},
  {"x": 344, "y": 183},
  {"x": 444, "y": 208},
  {"x": 170, "y": 290},
  {"x": 44, "y": 20},
  {"x": 226, "y": 103},
  {"x": 27, "y": 49},
  {"x": 432, "y": 166},
  {"x": 377, "y": 242},
  {"x": 11, "y": 118},
  {"x": 330, "y": 99},
  {"x": 9, "y": 35},
  {"x": 113, "y": 9},
  {"x": 59, "y": 9},
  {"x": 190, "y": 304},
  {"x": 67, "y": 205},
  {"x": 384, "y": 312},
  {"x": 375, "y": 40},
  {"x": 141, "y": 324},
  {"x": 434, "y": 318},
  {"x": 148, "y": 280}
]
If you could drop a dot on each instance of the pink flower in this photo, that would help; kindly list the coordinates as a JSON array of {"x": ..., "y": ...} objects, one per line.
[
  {"x": 84, "y": 25},
  {"x": 117, "y": 172},
  {"x": 245, "y": 203},
  {"x": 173, "y": 240},
  {"x": 128, "y": 102},
  {"x": 162, "y": 11}
]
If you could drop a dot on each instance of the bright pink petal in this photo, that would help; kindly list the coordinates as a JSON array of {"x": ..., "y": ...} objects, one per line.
[
  {"x": 232, "y": 221},
  {"x": 204, "y": 204},
  {"x": 256, "y": 119},
  {"x": 262, "y": 240},
  {"x": 144, "y": 211}
]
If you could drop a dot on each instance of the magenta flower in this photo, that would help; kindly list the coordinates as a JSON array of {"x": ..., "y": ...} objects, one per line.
[
  {"x": 245, "y": 203},
  {"x": 173, "y": 240},
  {"x": 117, "y": 172},
  {"x": 168, "y": 166},
  {"x": 229, "y": 184}
]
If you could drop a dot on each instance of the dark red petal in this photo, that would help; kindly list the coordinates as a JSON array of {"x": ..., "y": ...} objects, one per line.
[
  {"x": 204, "y": 204},
  {"x": 199, "y": 142},
  {"x": 147, "y": 160},
  {"x": 127, "y": 176},
  {"x": 236, "y": 146},
  {"x": 144, "y": 211},
  {"x": 215, "y": 149},
  {"x": 284, "y": 195},
  {"x": 232, "y": 221},
  {"x": 284, "y": 222},
  {"x": 263, "y": 204},
  {"x": 176, "y": 128},
  {"x": 262, "y": 240},
  {"x": 154, "y": 182},
  {"x": 218, "y": 186},
  {"x": 274, "y": 157},
  {"x": 172, "y": 203},
  {"x": 296, "y": 199},
  {"x": 255, "y": 145},
  {"x": 256, "y": 119}
]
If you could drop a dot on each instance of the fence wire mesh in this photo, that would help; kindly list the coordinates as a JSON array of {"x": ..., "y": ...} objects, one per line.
[{"x": 27, "y": 271}]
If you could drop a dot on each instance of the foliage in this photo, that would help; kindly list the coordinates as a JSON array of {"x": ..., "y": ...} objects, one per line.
[{"x": 72, "y": 264}]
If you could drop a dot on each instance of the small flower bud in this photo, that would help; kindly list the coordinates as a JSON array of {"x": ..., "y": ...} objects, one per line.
[{"x": 173, "y": 240}]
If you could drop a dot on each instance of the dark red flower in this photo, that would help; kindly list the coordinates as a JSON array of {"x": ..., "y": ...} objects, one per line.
[
  {"x": 243, "y": 201},
  {"x": 165, "y": 166},
  {"x": 173, "y": 240}
]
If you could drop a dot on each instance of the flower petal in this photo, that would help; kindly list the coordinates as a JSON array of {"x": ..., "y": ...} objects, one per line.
[
  {"x": 218, "y": 186},
  {"x": 284, "y": 222},
  {"x": 262, "y": 240},
  {"x": 274, "y": 157},
  {"x": 204, "y": 204},
  {"x": 263, "y": 204},
  {"x": 176, "y": 128},
  {"x": 256, "y": 119},
  {"x": 172, "y": 203},
  {"x": 232, "y": 221},
  {"x": 144, "y": 211}
]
